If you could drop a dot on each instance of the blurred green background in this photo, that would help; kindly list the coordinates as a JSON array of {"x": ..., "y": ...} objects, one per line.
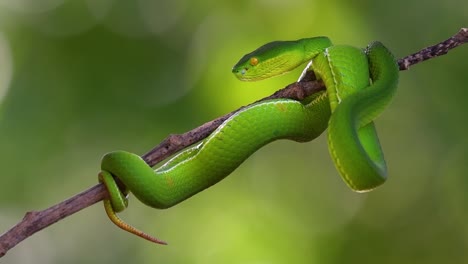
[{"x": 79, "y": 78}]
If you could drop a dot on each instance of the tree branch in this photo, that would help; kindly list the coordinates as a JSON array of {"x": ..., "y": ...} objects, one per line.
[
  {"x": 439, "y": 49},
  {"x": 35, "y": 221}
]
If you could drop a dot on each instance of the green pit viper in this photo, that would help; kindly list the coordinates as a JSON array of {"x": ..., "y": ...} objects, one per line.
[{"x": 359, "y": 85}]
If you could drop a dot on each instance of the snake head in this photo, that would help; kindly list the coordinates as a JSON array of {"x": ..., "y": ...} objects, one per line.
[
  {"x": 269, "y": 60},
  {"x": 278, "y": 57}
]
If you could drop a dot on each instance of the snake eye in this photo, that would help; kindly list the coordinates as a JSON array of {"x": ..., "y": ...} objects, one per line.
[{"x": 253, "y": 61}]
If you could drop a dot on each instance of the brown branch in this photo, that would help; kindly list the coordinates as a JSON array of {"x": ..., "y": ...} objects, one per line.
[
  {"x": 37, "y": 220},
  {"x": 434, "y": 51}
]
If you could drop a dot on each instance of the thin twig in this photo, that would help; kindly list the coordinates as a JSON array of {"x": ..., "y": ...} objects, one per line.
[
  {"x": 35, "y": 221},
  {"x": 434, "y": 51}
]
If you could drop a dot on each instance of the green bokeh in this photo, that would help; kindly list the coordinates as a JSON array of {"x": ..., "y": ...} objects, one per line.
[{"x": 90, "y": 77}]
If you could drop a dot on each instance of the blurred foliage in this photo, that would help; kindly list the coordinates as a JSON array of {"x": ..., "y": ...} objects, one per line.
[{"x": 81, "y": 78}]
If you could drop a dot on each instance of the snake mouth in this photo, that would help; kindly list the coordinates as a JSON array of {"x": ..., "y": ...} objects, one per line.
[{"x": 240, "y": 73}]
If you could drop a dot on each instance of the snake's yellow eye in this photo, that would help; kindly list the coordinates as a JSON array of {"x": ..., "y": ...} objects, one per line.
[{"x": 253, "y": 61}]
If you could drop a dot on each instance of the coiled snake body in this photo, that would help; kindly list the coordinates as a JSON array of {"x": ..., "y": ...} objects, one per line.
[{"x": 359, "y": 85}]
